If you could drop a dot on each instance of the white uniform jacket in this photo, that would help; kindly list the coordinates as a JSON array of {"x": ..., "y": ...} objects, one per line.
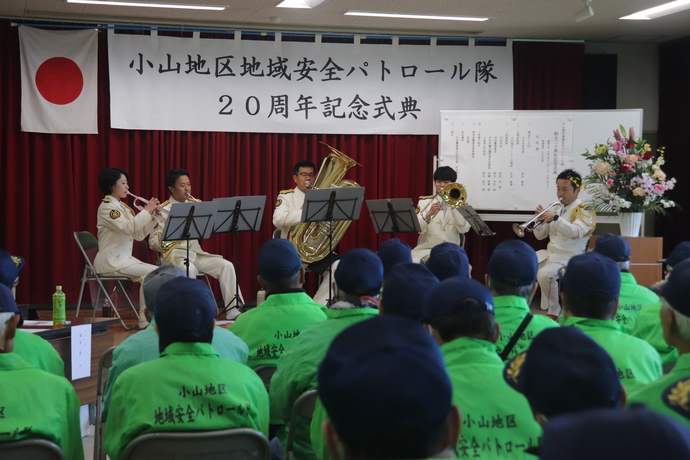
[
  {"x": 443, "y": 227},
  {"x": 568, "y": 236},
  {"x": 117, "y": 227},
  {"x": 288, "y": 211}
]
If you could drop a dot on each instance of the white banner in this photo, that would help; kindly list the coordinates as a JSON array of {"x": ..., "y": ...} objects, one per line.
[{"x": 193, "y": 84}]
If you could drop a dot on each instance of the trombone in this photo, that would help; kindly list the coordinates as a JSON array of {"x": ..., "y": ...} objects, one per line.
[
  {"x": 534, "y": 222},
  {"x": 453, "y": 195}
]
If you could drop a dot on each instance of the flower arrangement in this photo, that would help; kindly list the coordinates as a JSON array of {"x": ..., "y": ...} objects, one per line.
[{"x": 624, "y": 176}]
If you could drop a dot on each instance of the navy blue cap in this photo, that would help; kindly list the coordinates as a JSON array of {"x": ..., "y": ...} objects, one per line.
[
  {"x": 7, "y": 302},
  {"x": 679, "y": 254},
  {"x": 563, "y": 371},
  {"x": 514, "y": 263},
  {"x": 359, "y": 272},
  {"x": 633, "y": 434},
  {"x": 154, "y": 280},
  {"x": 405, "y": 289},
  {"x": 455, "y": 296},
  {"x": 676, "y": 288},
  {"x": 592, "y": 277},
  {"x": 613, "y": 246},
  {"x": 9, "y": 268},
  {"x": 355, "y": 376},
  {"x": 184, "y": 307},
  {"x": 278, "y": 259},
  {"x": 448, "y": 259},
  {"x": 392, "y": 252}
]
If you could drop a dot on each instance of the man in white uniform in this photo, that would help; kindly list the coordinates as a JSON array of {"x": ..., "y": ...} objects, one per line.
[
  {"x": 288, "y": 213},
  {"x": 568, "y": 230},
  {"x": 175, "y": 252},
  {"x": 438, "y": 223}
]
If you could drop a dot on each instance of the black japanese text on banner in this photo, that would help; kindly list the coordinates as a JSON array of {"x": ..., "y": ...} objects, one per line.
[{"x": 167, "y": 83}]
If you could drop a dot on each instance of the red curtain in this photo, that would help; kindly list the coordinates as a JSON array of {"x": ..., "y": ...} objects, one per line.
[{"x": 49, "y": 190}]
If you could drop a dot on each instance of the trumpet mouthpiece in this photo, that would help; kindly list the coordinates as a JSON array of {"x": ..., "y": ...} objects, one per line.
[{"x": 308, "y": 184}]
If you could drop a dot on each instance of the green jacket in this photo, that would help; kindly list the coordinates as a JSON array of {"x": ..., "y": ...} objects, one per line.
[
  {"x": 269, "y": 328},
  {"x": 637, "y": 361},
  {"x": 509, "y": 312},
  {"x": 633, "y": 298},
  {"x": 38, "y": 351},
  {"x": 656, "y": 394},
  {"x": 296, "y": 372},
  {"x": 648, "y": 328},
  {"x": 189, "y": 388},
  {"x": 37, "y": 404}
]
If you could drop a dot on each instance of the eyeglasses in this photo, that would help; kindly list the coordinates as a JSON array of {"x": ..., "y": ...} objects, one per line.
[{"x": 306, "y": 174}]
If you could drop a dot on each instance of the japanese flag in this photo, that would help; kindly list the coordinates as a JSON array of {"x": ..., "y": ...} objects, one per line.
[{"x": 59, "y": 80}]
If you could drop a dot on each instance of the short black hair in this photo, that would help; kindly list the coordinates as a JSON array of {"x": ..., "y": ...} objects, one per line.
[
  {"x": 571, "y": 176},
  {"x": 477, "y": 324},
  {"x": 588, "y": 308},
  {"x": 445, "y": 173},
  {"x": 503, "y": 289},
  {"x": 185, "y": 337},
  {"x": 282, "y": 285},
  {"x": 172, "y": 175},
  {"x": 303, "y": 164},
  {"x": 108, "y": 177}
]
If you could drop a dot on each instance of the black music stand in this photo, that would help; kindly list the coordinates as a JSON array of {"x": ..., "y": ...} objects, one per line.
[
  {"x": 395, "y": 215},
  {"x": 479, "y": 226},
  {"x": 332, "y": 205},
  {"x": 234, "y": 215},
  {"x": 189, "y": 221}
]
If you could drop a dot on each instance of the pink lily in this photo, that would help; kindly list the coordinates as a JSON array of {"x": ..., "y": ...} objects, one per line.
[
  {"x": 632, "y": 133},
  {"x": 617, "y": 135}
]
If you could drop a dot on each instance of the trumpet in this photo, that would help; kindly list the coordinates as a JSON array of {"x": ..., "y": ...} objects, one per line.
[
  {"x": 534, "y": 222},
  {"x": 143, "y": 200},
  {"x": 453, "y": 195}
]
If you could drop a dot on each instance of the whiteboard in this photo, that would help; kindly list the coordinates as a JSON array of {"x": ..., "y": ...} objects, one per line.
[{"x": 508, "y": 160}]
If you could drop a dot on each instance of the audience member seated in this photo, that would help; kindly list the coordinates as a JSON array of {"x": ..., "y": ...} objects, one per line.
[
  {"x": 34, "y": 403},
  {"x": 633, "y": 297},
  {"x": 32, "y": 348},
  {"x": 189, "y": 387},
  {"x": 358, "y": 278},
  {"x": 143, "y": 346},
  {"x": 590, "y": 285},
  {"x": 648, "y": 327},
  {"x": 446, "y": 260},
  {"x": 460, "y": 315},
  {"x": 385, "y": 388},
  {"x": 393, "y": 252},
  {"x": 669, "y": 394},
  {"x": 512, "y": 280},
  {"x": 269, "y": 328},
  {"x": 405, "y": 289},
  {"x": 636, "y": 434}
]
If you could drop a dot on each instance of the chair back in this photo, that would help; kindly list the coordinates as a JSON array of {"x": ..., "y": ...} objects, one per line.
[
  {"x": 231, "y": 444},
  {"x": 303, "y": 407},
  {"x": 88, "y": 245},
  {"x": 104, "y": 363},
  {"x": 34, "y": 449},
  {"x": 265, "y": 372}
]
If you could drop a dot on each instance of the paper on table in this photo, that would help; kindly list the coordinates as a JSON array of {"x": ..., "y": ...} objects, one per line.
[
  {"x": 36, "y": 323},
  {"x": 81, "y": 351}
]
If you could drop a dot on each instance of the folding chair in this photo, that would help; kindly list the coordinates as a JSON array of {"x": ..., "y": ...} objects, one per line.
[
  {"x": 303, "y": 407},
  {"x": 35, "y": 449},
  {"x": 87, "y": 243},
  {"x": 265, "y": 372},
  {"x": 104, "y": 363},
  {"x": 234, "y": 443}
]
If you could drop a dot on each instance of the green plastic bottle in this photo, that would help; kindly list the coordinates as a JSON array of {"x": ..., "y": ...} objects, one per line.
[{"x": 59, "y": 318}]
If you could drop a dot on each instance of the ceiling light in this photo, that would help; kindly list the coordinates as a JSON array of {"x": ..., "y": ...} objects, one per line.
[
  {"x": 149, "y": 5},
  {"x": 659, "y": 11},
  {"x": 585, "y": 13},
  {"x": 299, "y": 3},
  {"x": 414, "y": 16}
]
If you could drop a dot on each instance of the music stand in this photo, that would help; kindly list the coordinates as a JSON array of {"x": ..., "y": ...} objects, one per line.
[
  {"x": 189, "y": 221},
  {"x": 395, "y": 215},
  {"x": 332, "y": 205},
  {"x": 234, "y": 215},
  {"x": 479, "y": 226}
]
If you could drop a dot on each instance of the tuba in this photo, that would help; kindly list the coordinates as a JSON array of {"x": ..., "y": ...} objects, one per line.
[{"x": 311, "y": 238}]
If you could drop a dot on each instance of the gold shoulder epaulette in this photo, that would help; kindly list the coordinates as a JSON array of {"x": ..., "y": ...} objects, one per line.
[
  {"x": 428, "y": 197},
  {"x": 165, "y": 203},
  {"x": 283, "y": 192},
  {"x": 106, "y": 199},
  {"x": 586, "y": 207}
]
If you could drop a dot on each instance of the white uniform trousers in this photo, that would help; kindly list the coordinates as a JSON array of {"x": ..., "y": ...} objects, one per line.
[
  {"x": 548, "y": 282},
  {"x": 136, "y": 272}
]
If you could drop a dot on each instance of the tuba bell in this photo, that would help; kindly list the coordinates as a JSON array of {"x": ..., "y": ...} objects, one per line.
[{"x": 311, "y": 238}]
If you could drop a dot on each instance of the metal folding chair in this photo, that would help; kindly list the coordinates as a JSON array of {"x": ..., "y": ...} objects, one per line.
[
  {"x": 303, "y": 407},
  {"x": 88, "y": 245},
  {"x": 35, "y": 449},
  {"x": 265, "y": 372},
  {"x": 104, "y": 363}
]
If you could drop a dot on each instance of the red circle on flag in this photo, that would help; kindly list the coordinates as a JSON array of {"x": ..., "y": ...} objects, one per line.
[{"x": 59, "y": 80}]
